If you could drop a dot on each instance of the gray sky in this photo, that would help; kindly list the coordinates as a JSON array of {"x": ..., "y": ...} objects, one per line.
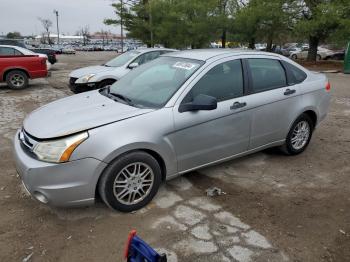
[{"x": 22, "y": 15}]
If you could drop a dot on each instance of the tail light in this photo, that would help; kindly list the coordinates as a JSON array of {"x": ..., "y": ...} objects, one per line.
[{"x": 328, "y": 86}]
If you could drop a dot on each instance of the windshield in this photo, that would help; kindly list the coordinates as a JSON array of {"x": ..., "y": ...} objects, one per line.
[
  {"x": 122, "y": 59},
  {"x": 153, "y": 84}
]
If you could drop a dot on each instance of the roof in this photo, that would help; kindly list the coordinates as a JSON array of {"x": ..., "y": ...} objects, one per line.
[
  {"x": 144, "y": 50},
  {"x": 206, "y": 54}
]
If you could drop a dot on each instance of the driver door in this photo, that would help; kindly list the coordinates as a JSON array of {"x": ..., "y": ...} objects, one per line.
[{"x": 203, "y": 137}]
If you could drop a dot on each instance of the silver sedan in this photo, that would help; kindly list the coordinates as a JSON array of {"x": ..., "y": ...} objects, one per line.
[{"x": 183, "y": 111}]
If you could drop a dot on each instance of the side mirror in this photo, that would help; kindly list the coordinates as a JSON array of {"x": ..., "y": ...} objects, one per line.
[
  {"x": 133, "y": 65},
  {"x": 200, "y": 102}
]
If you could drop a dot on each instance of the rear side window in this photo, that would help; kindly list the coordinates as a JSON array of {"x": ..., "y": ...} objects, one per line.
[
  {"x": 266, "y": 74},
  {"x": 7, "y": 51},
  {"x": 297, "y": 75}
]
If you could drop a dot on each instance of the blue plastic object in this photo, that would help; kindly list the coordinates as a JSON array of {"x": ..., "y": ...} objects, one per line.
[{"x": 139, "y": 251}]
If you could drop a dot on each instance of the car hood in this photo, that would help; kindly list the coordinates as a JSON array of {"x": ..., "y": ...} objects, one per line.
[
  {"x": 77, "y": 113},
  {"x": 90, "y": 70}
]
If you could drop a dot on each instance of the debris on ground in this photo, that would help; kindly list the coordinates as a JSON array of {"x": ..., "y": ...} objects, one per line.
[
  {"x": 27, "y": 258},
  {"x": 215, "y": 191}
]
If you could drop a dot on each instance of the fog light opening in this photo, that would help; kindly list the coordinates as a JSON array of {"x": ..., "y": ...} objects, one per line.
[{"x": 40, "y": 197}]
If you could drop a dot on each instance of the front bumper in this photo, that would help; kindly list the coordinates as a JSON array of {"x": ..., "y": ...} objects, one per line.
[
  {"x": 66, "y": 184},
  {"x": 79, "y": 88}
]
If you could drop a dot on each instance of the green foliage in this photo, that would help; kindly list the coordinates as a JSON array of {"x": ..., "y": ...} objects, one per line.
[
  {"x": 13, "y": 35},
  {"x": 184, "y": 23}
]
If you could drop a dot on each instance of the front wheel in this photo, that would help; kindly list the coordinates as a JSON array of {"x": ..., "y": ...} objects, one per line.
[
  {"x": 130, "y": 182},
  {"x": 299, "y": 135},
  {"x": 294, "y": 57}
]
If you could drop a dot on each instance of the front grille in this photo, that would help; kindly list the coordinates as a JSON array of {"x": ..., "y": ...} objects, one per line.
[
  {"x": 26, "y": 141},
  {"x": 72, "y": 80}
]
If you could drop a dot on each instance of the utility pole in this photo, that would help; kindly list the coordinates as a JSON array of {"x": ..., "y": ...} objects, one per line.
[
  {"x": 150, "y": 21},
  {"x": 121, "y": 24},
  {"x": 58, "y": 31}
]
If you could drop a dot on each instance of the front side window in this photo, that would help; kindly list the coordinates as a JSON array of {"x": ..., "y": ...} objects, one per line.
[
  {"x": 122, "y": 59},
  {"x": 153, "y": 84},
  {"x": 224, "y": 82},
  {"x": 266, "y": 74}
]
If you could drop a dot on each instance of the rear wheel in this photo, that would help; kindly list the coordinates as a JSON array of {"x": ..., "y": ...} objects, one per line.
[
  {"x": 299, "y": 135},
  {"x": 130, "y": 182},
  {"x": 318, "y": 57},
  {"x": 17, "y": 79}
]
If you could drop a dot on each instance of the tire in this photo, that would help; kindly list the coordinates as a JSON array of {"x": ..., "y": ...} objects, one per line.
[
  {"x": 318, "y": 58},
  {"x": 105, "y": 83},
  {"x": 294, "y": 57},
  {"x": 17, "y": 79},
  {"x": 120, "y": 173},
  {"x": 292, "y": 146}
]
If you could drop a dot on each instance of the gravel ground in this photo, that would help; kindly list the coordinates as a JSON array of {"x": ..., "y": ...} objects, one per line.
[{"x": 276, "y": 208}]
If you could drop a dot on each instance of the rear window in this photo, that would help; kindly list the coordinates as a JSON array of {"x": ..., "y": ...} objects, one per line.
[{"x": 266, "y": 74}]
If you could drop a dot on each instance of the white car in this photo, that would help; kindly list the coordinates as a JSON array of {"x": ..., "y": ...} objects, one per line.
[
  {"x": 16, "y": 50},
  {"x": 322, "y": 53},
  {"x": 96, "y": 77}
]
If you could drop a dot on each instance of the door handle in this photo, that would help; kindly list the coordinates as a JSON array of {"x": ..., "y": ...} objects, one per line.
[
  {"x": 289, "y": 92},
  {"x": 237, "y": 105}
]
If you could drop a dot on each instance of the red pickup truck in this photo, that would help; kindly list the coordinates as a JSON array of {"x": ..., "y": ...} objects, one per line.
[{"x": 17, "y": 70}]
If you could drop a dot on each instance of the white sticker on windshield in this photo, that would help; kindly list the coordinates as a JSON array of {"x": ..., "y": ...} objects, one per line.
[{"x": 184, "y": 65}]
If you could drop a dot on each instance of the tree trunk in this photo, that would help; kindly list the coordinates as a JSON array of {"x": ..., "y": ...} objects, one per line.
[
  {"x": 252, "y": 43},
  {"x": 223, "y": 38},
  {"x": 313, "y": 44},
  {"x": 269, "y": 44}
]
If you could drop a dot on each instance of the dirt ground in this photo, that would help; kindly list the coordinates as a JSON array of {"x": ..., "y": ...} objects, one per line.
[{"x": 276, "y": 208}]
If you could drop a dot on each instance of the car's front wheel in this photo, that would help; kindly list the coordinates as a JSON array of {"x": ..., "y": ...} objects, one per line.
[
  {"x": 294, "y": 57},
  {"x": 130, "y": 182},
  {"x": 299, "y": 135}
]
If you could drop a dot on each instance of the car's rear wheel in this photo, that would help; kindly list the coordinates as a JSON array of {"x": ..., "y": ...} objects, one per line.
[
  {"x": 130, "y": 182},
  {"x": 299, "y": 135},
  {"x": 17, "y": 79}
]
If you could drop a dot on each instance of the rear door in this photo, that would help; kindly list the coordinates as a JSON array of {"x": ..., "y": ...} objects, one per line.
[{"x": 274, "y": 100}]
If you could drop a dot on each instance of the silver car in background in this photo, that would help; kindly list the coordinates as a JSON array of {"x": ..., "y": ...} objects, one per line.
[
  {"x": 183, "y": 111},
  {"x": 95, "y": 77}
]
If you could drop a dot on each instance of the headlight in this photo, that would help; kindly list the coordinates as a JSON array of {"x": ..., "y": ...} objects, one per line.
[
  {"x": 86, "y": 78},
  {"x": 59, "y": 150}
]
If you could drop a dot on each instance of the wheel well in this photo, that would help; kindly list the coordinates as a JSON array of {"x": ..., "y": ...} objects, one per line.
[
  {"x": 109, "y": 80},
  {"x": 14, "y": 69},
  {"x": 312, "y": 115}
]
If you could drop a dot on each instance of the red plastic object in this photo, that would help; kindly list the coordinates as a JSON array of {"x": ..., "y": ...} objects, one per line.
[{"x": 130, "y": 237}]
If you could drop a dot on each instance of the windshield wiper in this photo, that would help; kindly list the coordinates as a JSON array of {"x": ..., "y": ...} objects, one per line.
[{"x": 121, "y": 97}]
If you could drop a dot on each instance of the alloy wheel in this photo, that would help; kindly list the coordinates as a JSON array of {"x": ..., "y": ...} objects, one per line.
[
  {"x": 17, "y": 80},
  {"x": 300, "y": 135},
  {"x": 133, "y": 183}
]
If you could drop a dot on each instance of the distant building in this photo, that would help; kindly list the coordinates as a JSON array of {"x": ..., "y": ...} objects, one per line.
[{"x": 63, "y": 38}]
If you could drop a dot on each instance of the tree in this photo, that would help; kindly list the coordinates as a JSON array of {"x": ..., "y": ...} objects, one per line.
[
  {"x": 319, "y": 19},
  {"x": 13, "y": 35},
  {"x": 85, "y": 33},
  {"x": 47, "y": 24},
  {"x": 263, "y": 20}
]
